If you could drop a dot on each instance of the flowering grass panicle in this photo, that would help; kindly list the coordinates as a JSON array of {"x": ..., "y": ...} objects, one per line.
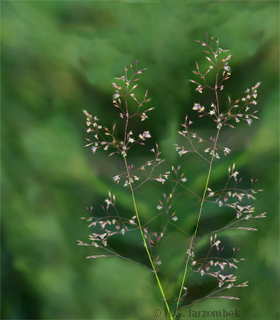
[{"x": 216, "y": 262}]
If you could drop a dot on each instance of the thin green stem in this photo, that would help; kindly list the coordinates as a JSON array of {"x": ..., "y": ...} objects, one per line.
[
  {"x": 198, "y": 220},
  {"x": 145, "y": 242}
]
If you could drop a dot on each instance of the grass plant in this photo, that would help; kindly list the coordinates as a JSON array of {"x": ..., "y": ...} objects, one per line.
[{"x": 217, "y": 263}]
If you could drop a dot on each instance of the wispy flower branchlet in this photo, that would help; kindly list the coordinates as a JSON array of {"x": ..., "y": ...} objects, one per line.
[
  {"x": 232, "y": 198},
  {"x": 106, "y": 138}
]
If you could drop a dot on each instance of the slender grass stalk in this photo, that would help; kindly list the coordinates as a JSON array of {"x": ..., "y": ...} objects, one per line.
[
  {"x": 145, "y": 242},
  {"x": 197, "y": 223}
]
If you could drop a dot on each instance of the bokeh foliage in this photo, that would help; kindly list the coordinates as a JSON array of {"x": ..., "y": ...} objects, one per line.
[{"x": 59, "y": 57}]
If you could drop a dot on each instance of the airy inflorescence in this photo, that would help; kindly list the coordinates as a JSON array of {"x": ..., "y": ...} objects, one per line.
[{"x": 232, "y": 197}]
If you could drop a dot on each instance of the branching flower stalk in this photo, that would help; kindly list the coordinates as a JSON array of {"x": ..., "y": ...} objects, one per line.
[
  {"x": 122, "y": 147},
  {"x": 219, "y": 118},
  {"x": 216, "y": 87},
  {"x": 231, "y": 196}
]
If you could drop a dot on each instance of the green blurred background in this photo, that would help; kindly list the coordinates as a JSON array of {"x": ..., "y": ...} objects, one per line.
[{"x": 59, "y": 57}]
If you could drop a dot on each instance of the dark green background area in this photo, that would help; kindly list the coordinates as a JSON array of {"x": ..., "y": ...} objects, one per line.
[{"x": 60, "y": 57}]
